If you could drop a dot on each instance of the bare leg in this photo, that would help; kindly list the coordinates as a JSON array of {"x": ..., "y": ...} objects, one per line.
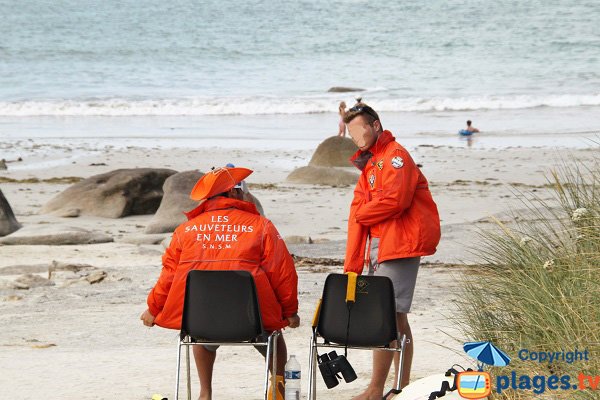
[
  {"x": 205, "y": 360},
  {"x": 281, "y": 360},
  {"x": 382, "y": 361},
  {"x": 281, "y": 356},
  {"x": 404, "y": 329}
]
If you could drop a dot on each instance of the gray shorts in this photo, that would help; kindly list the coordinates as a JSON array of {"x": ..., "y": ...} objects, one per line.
[
  {"x": 261, "y": 349},
  {"x": 403, "y": 274}
]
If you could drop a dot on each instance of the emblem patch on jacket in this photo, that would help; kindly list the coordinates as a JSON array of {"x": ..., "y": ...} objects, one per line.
[
  {"x": 372, "y": 180},
  {"x": 397, "y": 162},
  {"x": 380, "y": 165}
]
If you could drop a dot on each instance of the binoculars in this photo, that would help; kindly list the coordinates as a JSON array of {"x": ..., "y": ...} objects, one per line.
[{"x": 330, "y": 364}]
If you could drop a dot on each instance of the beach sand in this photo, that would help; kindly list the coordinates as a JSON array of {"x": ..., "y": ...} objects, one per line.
[{"x": 77, "y": 340}]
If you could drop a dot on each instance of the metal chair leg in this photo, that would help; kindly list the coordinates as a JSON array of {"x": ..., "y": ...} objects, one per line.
[
  {"x": 187, "y": 366},
  {"x": 401, "y": 367},
  {"x": 178, "y": 369},
  {"x": 267, "y": 358},
  {"x": 274, "y": 365},
  {"x": 312, "y": 373}
]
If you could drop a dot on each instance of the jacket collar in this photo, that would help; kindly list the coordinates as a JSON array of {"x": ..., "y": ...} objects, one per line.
[
  {"x": 360, "y": 158},
  {"x": 221, "y": 203}
]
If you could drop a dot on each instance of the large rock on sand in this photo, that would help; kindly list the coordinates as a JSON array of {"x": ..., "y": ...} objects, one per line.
[
  {"x": 114, "y": 194},
  {"x": 323, "y": 176},
  {"x": 334, "y": 152},
  {"x": 8, "y": 222},
  {"x": 54, "y": 235},
  {"x": 176, "y": 200}
]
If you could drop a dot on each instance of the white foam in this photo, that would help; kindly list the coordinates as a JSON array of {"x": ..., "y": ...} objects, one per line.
[{"x": 265, "y": 105}]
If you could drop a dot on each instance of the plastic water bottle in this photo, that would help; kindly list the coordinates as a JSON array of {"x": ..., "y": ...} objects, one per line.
[{"x": 292, "y": 379}]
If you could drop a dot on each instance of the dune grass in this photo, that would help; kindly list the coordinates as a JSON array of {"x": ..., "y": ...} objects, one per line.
[{"x": 539, "y": 284}]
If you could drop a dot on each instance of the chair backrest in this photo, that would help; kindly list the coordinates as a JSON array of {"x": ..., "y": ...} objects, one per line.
[
  {"x": 221, "y": 306},
  {"x": 373, "y": 315}
]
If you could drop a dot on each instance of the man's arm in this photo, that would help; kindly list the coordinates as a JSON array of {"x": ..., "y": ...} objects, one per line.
[
  {"x": 400, "y": 176},
  {"x": 158, "y": 295},
  {"x": 355, "y": 245},
  {"x": 281, "y": 272}
]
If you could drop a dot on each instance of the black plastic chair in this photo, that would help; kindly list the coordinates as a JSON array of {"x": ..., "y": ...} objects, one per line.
[
  {"x": 221, "y": 308},
  {"x": 372, "y": 321}
]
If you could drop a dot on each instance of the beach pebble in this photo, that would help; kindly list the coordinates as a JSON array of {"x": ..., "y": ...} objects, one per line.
[
  {"x": 29, "y": 281},
  {"x": 72, "y": 267},
  {"x": 114, "y": 194},
  {"x": 13, "y": 298},
  {"x": 96, "y": 277},
  {"x": 295, "y": 239},
  {"x": 334, "y": 152},
  {"x": 323, "y": 176}
]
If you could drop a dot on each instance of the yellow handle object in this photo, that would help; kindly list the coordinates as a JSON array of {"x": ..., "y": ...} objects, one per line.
[
  {"x": 158, "y": 397},
  {"x": 351, "y": 288},
  {"x": 280, "y": 384},
  {"x": 315, "y": 320}
]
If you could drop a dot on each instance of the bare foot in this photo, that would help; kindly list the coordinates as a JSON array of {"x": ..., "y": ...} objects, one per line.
[
  {"x": 369, "y": 394},
  {"x": 205, "y": 396}
]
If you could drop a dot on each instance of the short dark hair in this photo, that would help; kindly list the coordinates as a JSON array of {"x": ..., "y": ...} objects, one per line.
[
  {"x": 469, "y": 123},
  {"x": 361, "y": 109}
]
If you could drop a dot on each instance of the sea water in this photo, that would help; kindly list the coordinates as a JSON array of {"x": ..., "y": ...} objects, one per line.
[{"x": 257, "y": 72}]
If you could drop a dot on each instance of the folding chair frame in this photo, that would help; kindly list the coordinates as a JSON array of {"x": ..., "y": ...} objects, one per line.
[
  {"x": 312, "y": 367},
  {"x": 271, "y": 345}
]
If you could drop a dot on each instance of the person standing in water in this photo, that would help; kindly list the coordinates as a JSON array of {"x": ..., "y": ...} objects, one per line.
[
  {"x": 471, "y": 128},
  {"x": 341, "y": 124}
]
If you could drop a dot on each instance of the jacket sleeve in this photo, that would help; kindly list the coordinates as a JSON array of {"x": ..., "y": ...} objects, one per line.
[
  {"x": 357, "y": 233},
  {"x": 158, "y": 295},
  {"x": 280, "y": 270},
  {"x": 396, "y": 194}
]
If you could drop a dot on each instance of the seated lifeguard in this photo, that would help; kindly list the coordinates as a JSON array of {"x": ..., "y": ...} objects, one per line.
[{"x": 226, "y": 233}]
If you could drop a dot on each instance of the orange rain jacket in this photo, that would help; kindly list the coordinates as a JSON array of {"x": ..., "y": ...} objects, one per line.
[
  {"x": 392, "y": 202},
  {"x": 227, "y": 234}
]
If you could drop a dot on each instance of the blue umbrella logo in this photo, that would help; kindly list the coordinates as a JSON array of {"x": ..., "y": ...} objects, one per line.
[{"x": 486, "y": 353}]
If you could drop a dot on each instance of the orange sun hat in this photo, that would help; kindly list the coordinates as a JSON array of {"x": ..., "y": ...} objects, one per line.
[{"x": 217, "y": 181}]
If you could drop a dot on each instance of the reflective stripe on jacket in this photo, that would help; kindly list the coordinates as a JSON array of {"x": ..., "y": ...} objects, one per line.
[{"x": 223, "y": 234}]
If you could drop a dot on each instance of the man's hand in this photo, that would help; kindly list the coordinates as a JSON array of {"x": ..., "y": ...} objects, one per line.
[
  {"x": 147, "y": 318},
  {"x": 294, "y": 321}
]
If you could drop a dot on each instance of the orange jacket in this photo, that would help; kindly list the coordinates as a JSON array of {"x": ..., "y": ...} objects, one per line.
[
  {"x": 223, "y": 234},
  {"x": 391, "y": 201}
]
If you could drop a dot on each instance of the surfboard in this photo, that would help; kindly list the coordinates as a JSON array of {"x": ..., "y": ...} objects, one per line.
[{"x": 421, "y": 389}]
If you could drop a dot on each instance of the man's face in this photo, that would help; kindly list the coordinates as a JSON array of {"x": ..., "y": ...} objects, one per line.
[{"x": 363, "y": 135}]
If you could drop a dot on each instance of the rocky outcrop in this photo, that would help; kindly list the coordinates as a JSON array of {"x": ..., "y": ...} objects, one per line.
[
  {"x": 54, "y": 235},
  {"x": 114, "y": 194},
  {"x": 323, "y": 176},
  {"x": 344, "y": 89},
  {"x": 334, "y": 152},
  {"x": 175, "y": 201},
  {"x": 8, "y": 221}
]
